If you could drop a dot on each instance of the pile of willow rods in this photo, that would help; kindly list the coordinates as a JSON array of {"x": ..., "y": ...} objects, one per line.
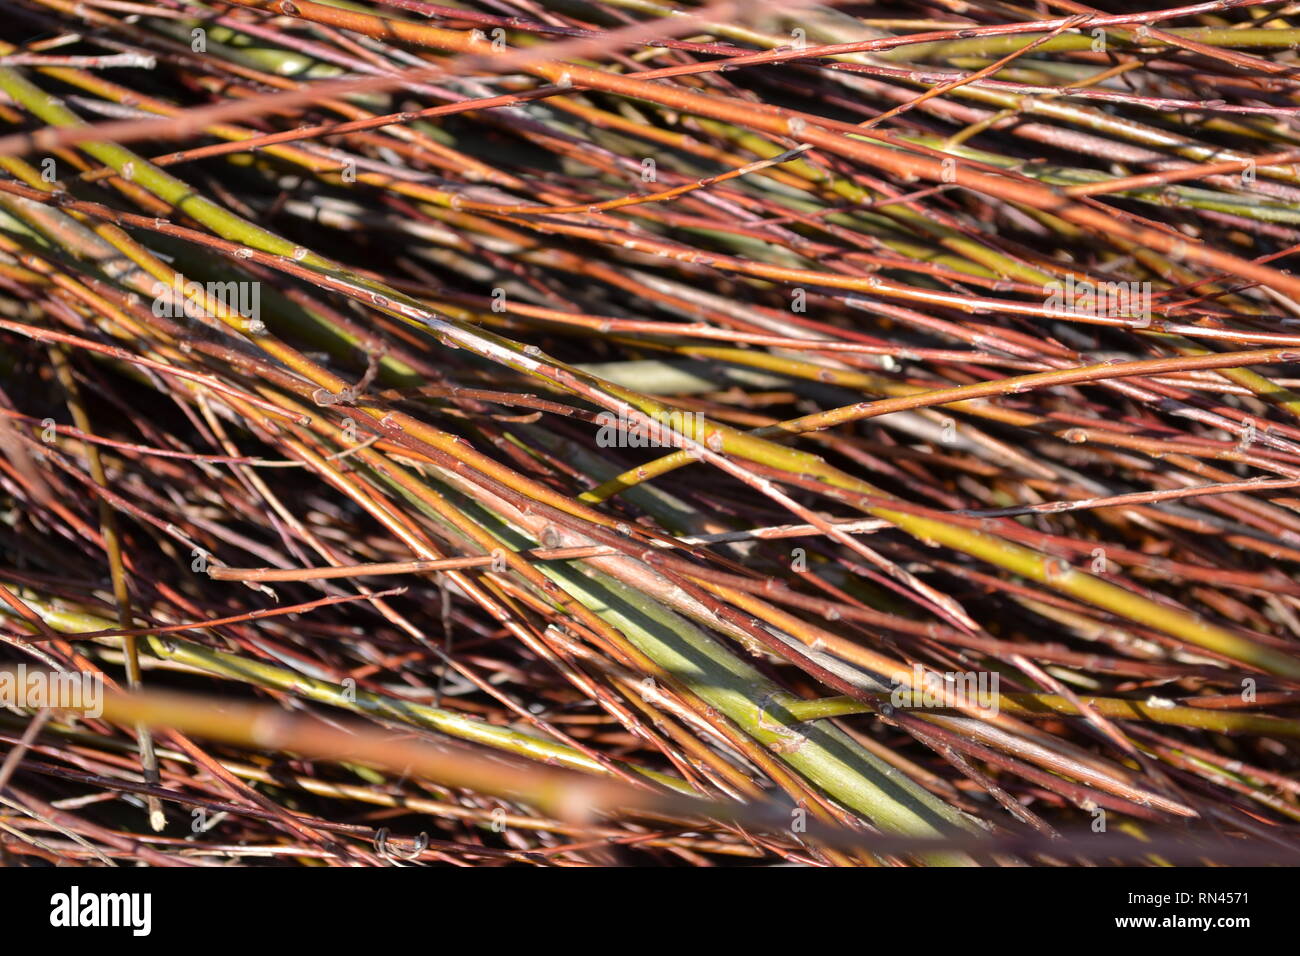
[{"x": 596, "y": 432}]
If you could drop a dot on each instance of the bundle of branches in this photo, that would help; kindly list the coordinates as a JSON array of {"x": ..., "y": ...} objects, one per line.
[{"x": 575, "y": 432}]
